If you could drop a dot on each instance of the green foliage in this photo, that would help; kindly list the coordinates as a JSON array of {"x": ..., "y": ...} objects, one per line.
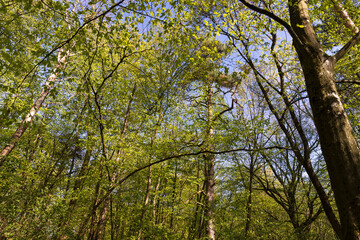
[{"x": 149, "y": 81}]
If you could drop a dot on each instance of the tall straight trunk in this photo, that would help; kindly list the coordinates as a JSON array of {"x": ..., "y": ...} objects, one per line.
[
  {"x": 194, "y": 228},
  {"x": 98, "y": 231},
  {"x": 210, "y": 195},
  {"x": 146, "y": 201},
  {"x": 338, "y": 144},
  {"x": 249, "y": 200},
  {"x": 210, "y": 170},
  {"x": 94, "y": 209},
  {"x": 154, "y": 201},
  {"x": 148, "y": 186},
  {"x": 173, "y": 197},
  {"x": 77, "y": 185}
]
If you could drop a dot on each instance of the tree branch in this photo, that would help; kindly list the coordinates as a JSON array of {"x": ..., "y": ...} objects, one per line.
[
  {"x": 61, "y": 61},
  {"x": 357, "y": 82},
  {"x": 346, "y": 48},
  {"x": 339, "y": 8},
  {"x": 118, "y": 183},
  {"x": 275, "y": 18},
  {"x": 63, "y": 43}
]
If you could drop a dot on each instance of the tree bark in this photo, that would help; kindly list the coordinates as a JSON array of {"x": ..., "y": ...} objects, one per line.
[
  {"x": 36, "y": 106},
  {"x": 248, "y": 206},
  {"x": 210, "y": 194},
  {"x": 338, "y": 144},
  {"x": 146, "y": 201},
  {"x": 148, "y": 186},
  {"x": 210, "y": 170}
]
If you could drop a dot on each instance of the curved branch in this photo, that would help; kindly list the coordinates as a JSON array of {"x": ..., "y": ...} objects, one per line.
[
  {"x": 63, "y": 43},
  {"x": 275, "y": 18},
  {"x": 118, "y": 183}
]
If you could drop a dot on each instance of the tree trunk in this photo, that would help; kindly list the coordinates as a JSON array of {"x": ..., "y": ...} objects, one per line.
[
  {"x": 154, "y": 201},
  {"x": 148, "y": 186},
  {"x": 338, "y": 144},
  {"x": 195, "y": 230},
  {"x": 210, "y": 170},
  {"x": 146, "y": 201},
  {"x": 173, "y": 197},
  {"x": 210, "y": 193},
  {"x": 36, "y": 106},
  {"x": 249, "y": 199}
]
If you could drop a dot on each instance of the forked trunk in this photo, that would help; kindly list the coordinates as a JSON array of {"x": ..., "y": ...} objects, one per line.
[{"x": 338, "y": 144}]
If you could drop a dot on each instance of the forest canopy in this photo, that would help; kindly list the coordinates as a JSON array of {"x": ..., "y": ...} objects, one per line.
[{"x": 179, "y": 119}]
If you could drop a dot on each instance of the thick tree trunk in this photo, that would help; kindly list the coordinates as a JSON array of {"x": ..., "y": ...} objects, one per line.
[
  {"x": 338, "y": 144},
  {"x": 339, "y": 147}
]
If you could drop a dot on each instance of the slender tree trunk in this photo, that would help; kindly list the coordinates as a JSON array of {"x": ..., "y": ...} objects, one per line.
[
  {"x": 146, "y": 201},
  {"x": 97, "y": 232},
  {"x": 77, "y": 185},
  {"x": 94, "y": 208},
  {"x": 210, "y": 170},
  {"x": 210, "y": 194},
  {"x": 3, "y": 223},
  {"x": 154, "y": 201},
  {"x": 100, "y": 231},
  {"x": 36, "y": 106},
  {"x": 173, "y": 196},
  {"x": 196, "y": 224},
  {"x": 148, "y": 186},
  {"x": 249, "y": 200}
]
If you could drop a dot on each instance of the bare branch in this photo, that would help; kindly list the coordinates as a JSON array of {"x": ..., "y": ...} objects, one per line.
[{"x": 357, "y": 82}]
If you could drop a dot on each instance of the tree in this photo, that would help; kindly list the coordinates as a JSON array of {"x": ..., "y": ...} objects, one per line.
[
  {"x": 338, "y": 143},
  {"x": 114, "y": 114}
]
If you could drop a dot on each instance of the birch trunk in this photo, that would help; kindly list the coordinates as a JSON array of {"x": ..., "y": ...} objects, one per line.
[{"x": 61, "y": 60}]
